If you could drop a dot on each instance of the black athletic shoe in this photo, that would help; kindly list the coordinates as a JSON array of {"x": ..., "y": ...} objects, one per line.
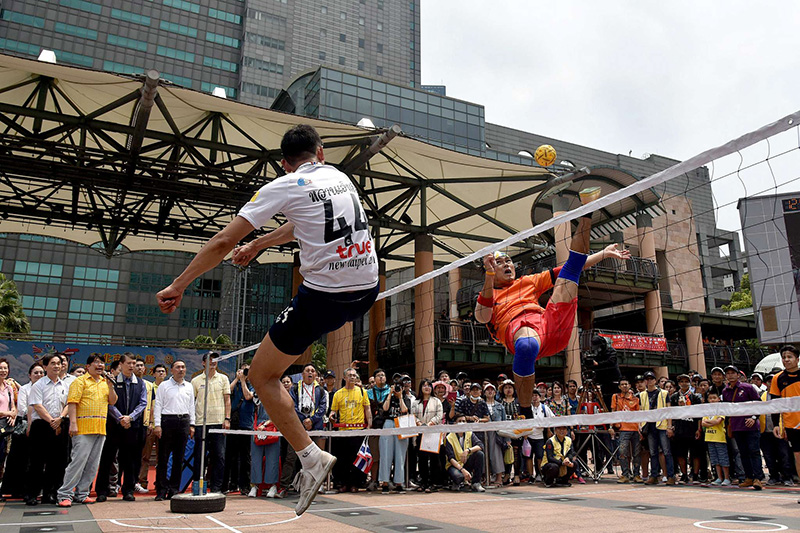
[
  {"x": 101, "y": 498},
  {"x": 129, "y": 497}
]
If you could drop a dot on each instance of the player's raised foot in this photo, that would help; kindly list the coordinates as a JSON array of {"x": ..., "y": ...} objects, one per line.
[
  {"x": 310, "y": 480},
  {"x": 589, "y": 194}
]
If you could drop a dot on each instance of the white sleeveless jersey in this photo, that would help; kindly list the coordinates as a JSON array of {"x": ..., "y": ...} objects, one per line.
[{"x": 337, "y": 253}]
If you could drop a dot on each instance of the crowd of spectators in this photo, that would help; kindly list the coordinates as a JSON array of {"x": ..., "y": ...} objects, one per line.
[{"x": 62, "y": 433}]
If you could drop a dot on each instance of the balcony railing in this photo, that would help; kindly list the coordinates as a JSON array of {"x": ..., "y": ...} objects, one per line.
[
  {"x": 739, "y": 356},
  {"x": 396, "y": 346}
]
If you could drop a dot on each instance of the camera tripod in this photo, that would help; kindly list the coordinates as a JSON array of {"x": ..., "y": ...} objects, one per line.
[{"x": 593, "y": 439}]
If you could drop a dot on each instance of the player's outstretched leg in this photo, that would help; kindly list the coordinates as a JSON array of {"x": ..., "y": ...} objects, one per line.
[
  {"x": 526, "y": 349},
  {"x": 566, "y": 286},
  {"x": 266, "y": 370}
]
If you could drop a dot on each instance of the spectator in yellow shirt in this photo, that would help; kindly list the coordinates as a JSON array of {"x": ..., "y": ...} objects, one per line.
[
  {"x": 714, "y": 427},
  {"x": 87, "y": 404},
  {"x": 350, "y": 410}
]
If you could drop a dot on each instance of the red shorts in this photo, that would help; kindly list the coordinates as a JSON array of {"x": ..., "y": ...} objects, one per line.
[{"x": 554, "y": 327}]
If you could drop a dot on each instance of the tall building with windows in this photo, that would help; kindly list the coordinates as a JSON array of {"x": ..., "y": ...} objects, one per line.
[
  {"x": 251, "y": 48},
  {"x": 72, "y": 292}
]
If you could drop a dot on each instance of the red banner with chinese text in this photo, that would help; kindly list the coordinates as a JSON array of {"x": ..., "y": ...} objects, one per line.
[{"x": 637, "y": 342}]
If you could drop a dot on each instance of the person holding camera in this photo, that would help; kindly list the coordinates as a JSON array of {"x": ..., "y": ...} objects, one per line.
[
  {"x": 237, "y": 448},
  {"x": 392, "y": 447},
  {"x": 377, "y": 396},
  {"x": 88, "y": 403}
]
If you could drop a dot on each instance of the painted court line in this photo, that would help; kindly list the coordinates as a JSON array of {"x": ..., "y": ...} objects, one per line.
[
  {"x": 223, "y": 524},
  {"x": 498, "y": 499}
]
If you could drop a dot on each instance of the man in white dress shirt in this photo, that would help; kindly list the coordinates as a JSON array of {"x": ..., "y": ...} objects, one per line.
[
  {"x": 174, "y": 420},
  {"x": 49, "y": 435}
]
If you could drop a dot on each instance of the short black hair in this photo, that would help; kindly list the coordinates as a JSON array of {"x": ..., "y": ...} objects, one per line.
[
  {"x": 49, "y": 357},
  {"x": 34, "y": 365},
  {"x": 176, "y": 361},
  {"x": 214, "y": 356},
  {"x": 377, "y": 371},
  {"x": 159, "y": 365},
  {"x": 125, "y": 356},
  {"x": 139, "y": 358},
  {"x": 789, "y": 348},
  {"x": 94, "y": 357},
  {"x": 114, "y": 364},
  {"x": 300, "y": 142},
  {"x": 312, "y": 365}
]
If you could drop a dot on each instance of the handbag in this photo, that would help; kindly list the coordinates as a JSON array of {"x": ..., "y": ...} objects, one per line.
[
  {"x": 263, "y": 440},
  {"x": 508, "y": 456}
]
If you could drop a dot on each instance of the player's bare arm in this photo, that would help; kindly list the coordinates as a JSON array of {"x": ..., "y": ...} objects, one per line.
[
  {"x": 609, "y": 252},
  {"x": 483, "y": 311},
  {"x": 242, "y": 255},
  {"x": 209, "y": 256}
]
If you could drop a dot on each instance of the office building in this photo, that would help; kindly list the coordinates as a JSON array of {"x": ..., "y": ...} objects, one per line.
[{"x": 251, "y": 48}]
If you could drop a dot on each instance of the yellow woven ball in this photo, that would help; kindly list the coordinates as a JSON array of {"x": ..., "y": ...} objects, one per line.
[{"x": 545, "y": 155}]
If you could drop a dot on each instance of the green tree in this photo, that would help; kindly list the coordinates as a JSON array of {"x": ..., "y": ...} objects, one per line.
[
  {"x": 741, "y": 299},
  {"x": 222, "y": 342},
  {"x": 12, "y": 317},
  {"x": 319, "y": 356}
]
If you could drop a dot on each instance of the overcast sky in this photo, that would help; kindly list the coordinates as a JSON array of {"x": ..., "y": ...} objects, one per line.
[{"x": 672, "y": 78}]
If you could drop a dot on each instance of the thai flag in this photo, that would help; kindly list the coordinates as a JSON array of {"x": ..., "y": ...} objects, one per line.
[{"x": 364, "y": 457}]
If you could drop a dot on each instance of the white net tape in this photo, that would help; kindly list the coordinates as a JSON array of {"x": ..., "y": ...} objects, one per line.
[{"x": 780, "y": 405}]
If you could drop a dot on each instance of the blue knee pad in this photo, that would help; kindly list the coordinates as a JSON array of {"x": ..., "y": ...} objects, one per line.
[
  {"x": 571, "y": 271},
  {"x": 526, "y": 349}
]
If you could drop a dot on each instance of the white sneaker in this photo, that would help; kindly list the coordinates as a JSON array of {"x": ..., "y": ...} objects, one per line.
[
  {"x": 139, "y": 489},
  {"x": 273, "y": 490},
  {"x": 311, "y": 480},
  {"x": 477, "y": 487},
  {"x": 253, "y": 492}
]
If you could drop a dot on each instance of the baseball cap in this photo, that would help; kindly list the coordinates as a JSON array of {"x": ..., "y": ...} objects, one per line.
[
  {"x": 507, "y": 382},
  {"x": 541, "y": 384},
  {"x": 717, "y": 369},
  {"x": 683, "y": 376},
  {"x": 649, "y": 375},
  {"x": 502, "y": 377},
  {"x": 489, "y": 385},
  {"x": 461, "y": 375},
  {"x": 731, "y": 367},
  {"x": 697, "y": 377},
  {"x": 756, "y": 374},
  {"x": 638, "y": 378},
  {"x": 475, "y": 385},
  {"x": 330, "y": 374}
]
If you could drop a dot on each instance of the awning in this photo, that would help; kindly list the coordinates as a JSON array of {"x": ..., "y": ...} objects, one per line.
[{"x": 135, "y": 161}]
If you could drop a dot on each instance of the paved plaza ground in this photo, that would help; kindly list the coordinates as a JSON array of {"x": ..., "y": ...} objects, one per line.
[{"x": 606, "y": 506}]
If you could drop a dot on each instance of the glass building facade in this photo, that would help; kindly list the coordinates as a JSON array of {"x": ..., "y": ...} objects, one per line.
[
  {"x": 344, "y": 97},
  {"x": 72, "y": 292},
  {"x": 250, "y": 48}
]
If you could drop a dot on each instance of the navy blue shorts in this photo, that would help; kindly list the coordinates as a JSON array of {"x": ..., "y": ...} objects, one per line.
[{"x": 313, "y": 313}]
